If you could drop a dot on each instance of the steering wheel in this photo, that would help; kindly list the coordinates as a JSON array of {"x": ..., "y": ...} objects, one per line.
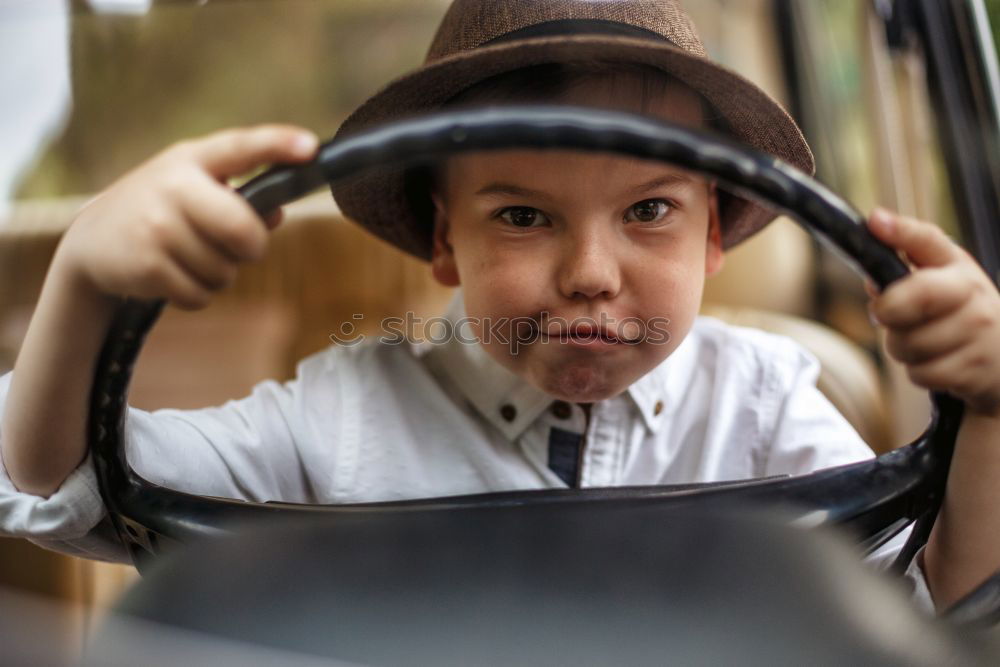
[{"x": 875, "y": 498}]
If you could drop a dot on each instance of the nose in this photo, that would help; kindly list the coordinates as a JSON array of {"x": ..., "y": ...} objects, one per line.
[{"x": 589, "y": 266}]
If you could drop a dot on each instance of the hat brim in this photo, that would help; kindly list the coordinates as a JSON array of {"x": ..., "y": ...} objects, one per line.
[{"x": 377, "y": 199}]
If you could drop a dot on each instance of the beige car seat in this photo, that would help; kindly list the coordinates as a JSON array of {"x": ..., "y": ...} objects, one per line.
[{"x": 767, "y": 283}]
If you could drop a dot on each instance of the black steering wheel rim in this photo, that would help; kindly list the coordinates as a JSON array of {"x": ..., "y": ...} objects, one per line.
[{"x": 876, "y": 498}]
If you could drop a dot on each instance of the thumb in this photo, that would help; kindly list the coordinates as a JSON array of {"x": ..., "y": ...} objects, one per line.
[
  {"x": 233, "y": 152},
  {"x": 923, "y": 242}
]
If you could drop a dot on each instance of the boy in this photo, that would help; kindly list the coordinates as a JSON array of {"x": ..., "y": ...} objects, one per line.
[{"x": 599, "y": 242}]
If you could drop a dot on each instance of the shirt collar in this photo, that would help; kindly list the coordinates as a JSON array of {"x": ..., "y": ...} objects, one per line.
[
  {"x": 512, "y": 404},
  {"x": 652, "y": 393},
  {"x": 504, "y": 399}
]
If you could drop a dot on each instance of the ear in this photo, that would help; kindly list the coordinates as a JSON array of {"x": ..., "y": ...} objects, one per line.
[
  {"x": 443, "y": 265},
  {"x": 714, "y": 257}
]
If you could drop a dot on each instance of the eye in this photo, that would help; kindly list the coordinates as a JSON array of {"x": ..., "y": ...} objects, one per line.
[
  {"x": 648, "y": 210},
  {"x": 523, "y": 217}
]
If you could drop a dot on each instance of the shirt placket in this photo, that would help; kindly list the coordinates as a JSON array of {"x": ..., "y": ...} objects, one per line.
[
  {"x": 551, "y": 439},
  {"x": 604, "y": 443}
]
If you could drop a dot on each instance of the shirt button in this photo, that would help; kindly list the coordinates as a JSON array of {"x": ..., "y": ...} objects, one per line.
[
  {"x": 561, "y": 409},
  {"x": 658, "y": 408},
  {"x": 508, "y": 412}
]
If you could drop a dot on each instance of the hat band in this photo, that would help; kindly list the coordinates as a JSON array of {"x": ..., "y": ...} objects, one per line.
[{"x": 569, "y": 27}]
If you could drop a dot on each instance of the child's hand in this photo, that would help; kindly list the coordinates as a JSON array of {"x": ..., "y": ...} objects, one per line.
[
  {"x": 172, "y": 228},
  {"x": 943, "y": 320}
]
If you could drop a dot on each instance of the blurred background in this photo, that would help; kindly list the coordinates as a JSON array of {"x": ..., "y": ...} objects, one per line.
[{"x": 897, "y": 101}]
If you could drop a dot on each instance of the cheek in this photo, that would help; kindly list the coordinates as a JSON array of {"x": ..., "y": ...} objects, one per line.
[
  {"x": 669, "y": 287},
  {"x": 667, "y": 300},
  {"x": 675, "y": 260},
  {"x": 509, "y": 280}
]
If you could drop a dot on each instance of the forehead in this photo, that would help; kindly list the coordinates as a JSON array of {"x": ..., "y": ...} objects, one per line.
[{"x": 555, "y": 172}]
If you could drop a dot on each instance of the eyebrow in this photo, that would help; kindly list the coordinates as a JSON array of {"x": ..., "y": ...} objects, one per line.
[
  {"x": 501, "y": 188},
  {"x": 510, "y": 189},
  {"x": 664, "y": 181}
]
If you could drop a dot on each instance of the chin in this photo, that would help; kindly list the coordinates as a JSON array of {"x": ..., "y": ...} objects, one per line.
[{"x": 580, "y": 385}]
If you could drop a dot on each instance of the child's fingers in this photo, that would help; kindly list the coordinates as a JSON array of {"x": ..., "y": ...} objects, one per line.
[
  {"x": 922, "y": 296},
  {"x": 224, "y": 219},
  {"x": 164, "y": 277},
  {"x": 184, "y": 291},
  {"x": 199, "y": 258},
  {"x": 274, "y": 219},
  {"x": 959, "y": 372},
  {"x": 924, "y": 243},
  {"x": 236, "y": 151},
  {"x": 934, "y": 339}
]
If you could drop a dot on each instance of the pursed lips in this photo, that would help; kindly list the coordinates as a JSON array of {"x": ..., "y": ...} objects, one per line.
[
  {"x": 583, "y": 334},
  {"x": 590, "y": 333}
]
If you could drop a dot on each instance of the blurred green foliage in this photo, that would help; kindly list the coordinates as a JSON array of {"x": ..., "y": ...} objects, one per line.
[
  {"x": 143, "y": 82},
  {"x": 993, "y": 10}
]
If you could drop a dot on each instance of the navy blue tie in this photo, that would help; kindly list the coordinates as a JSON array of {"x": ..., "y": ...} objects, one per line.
[{"x": 564, "y": 455}]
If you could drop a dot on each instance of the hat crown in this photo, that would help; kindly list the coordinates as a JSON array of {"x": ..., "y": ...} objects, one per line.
[
  {"x": 480, "y": 39},
  {"x": 469, "y": 24}
]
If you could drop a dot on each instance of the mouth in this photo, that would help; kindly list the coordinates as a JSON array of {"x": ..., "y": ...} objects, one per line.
[
  {"x": 591, "y": 333},
  {"x": 586, "y": 335}
]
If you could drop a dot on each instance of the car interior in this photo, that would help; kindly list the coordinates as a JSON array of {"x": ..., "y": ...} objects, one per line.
[{"x": 899, "y": 101}]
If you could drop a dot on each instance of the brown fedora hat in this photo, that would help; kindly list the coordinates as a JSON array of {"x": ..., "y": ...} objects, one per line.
[{"x": 479, "y": 39}]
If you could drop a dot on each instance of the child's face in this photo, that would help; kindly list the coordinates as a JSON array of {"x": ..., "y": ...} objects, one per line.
[{"x": 596, "y": 239}]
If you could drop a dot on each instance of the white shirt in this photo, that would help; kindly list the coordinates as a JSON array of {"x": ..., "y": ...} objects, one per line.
[{"x": 379, "y": 421}]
